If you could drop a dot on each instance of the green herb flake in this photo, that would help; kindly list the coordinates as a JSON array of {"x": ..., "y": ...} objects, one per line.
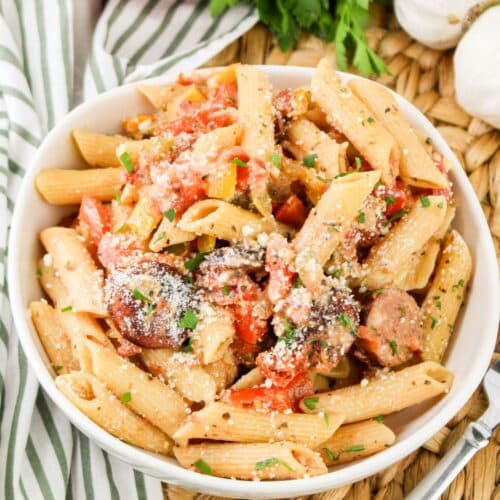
[
  {"x": 370, "y": 119},
  {"x": 329, "y": 453},
  {"x": 225, "y": 290},
  {"x": 161, "y": 236},
  {"x": 346, "y": 321},
  {"x": 239, "y": 163},
  {"x": 361, "y": 218},
  {"x": 394, "y": 346},
  {"x": 355, "y": 448},
  {"x": 440, "y": 204},
  {"x": 188, "y": 346},
  {"x": 270, "y": 462},
  {"x": 58, "y": 368},
  {"x": 117, "y": 196},
  {"x": 425, "y": 202},
  {"x": 395, "y": 217},
  {"x": 337, "y": 273},
  {"x": 276, "y": 160},
  {"x": 127, "y": 162},
  {"x": 323, "y": 179},
  {"x": 194, "y": 263},
  {"x": 389, "y": 199},
  {"x": 39, "y": 272},
  {"x": 150, "y": 308},
  {"x": 311, "y": 402},
  {"x": 437, "y": 301},
  {"x": 434, "y": 322},
  {"x": 169, "y": 214},
  {"x": 357, "y": 161},
  {"x": 126, "y": 397},
  {"x": 290, "y": 333},
  {"x": 326, "y": 419},
  {"x": 309, "y": 160},
  {"x": 121, "y": 229},
  {"x": 203, "y": 467},
  {"x": 66, "y": 309},
  {"x": 189, "y": 320},
  {"x": 177, "y": 249},
  {"x": 139, "y": 295},
  {"x": 380, "y": 419}
]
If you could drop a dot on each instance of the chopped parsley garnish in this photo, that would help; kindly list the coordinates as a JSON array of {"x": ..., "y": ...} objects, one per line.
[
  {"x": 66, "y": 309},
  {"x": 169, "y": 214},
  {"x": 323, "y": 179},
  {"x": 194, "y": 263},
  {"x": 177, "y": 249},
  {"x": 121, "y": 229},
  {"x": 440, "y": 204},
  {"x": 370, "y": 119},
  {"x": 395, "y": 217},
  {"x": 276, "y": 160},
  {"x": 58, "y": 368},
  {"x": 389, "y": 199},
  {"x": 380, "y": 419},
  {"x": 459, "y": 283},
  {"x": 346, "y": 321},
  {"x": 425, "y": 202},
  {"x": 331, "y": 456},
  {"x": 203, "y": 467},
  {"x": 361, "y": 218},
  {"x": 139, "y": 295},
  {"x": 39, "y": 272},
  {"x": 271, "y": 462},
  {"x": 337, "y": 273},
  {"x": 394, "y": 346},
  {"x": 188, "y": 346},
  {"x": 127, "y": 162},
  {"x": 239, "y": 163},
  {"x": 290, "y": 332},
  {"x": 434, "y": 322},
  {"x": 117, "y": 196},
  {"x": 309, "y": 160},
  {"x": 189, "y": 320},
  {"x": 310, "y": 403},
  {"x": 150, "y": 308},
  {"x": 326, "y": 418},
  {"x": 297, "y": 283},
  {"x": 160, "y": 236},
  {"x": 126, "y": 397},
  {"x": 437, "y": 301},
  {"x": 357, "y": 160},
  {"x": 356, "y": 447},
  {"x": 225, "y": 290}
]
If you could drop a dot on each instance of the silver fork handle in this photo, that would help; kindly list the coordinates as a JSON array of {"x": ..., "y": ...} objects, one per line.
[{"x": 476, "y": 436}]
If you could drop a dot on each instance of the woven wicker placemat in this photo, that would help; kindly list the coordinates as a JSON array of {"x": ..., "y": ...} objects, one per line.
[{"x": 425, "y": 77}]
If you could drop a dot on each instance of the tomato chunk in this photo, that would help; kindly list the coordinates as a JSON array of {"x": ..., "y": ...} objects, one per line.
[
  {"x": 274, "y": 398},
  {"x": 94, "y": 219},
  {"x": 395, "y": 196},
  {"x": 249, "y": 327},
  {"x": 292, "y": 212}
]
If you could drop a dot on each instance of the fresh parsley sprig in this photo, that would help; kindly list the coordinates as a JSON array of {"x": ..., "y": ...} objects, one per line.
[{"x": 339, "y": 21}]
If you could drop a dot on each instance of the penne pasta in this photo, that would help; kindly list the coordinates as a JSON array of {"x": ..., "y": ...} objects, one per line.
[
  {"x": 354, "y": 441},
  {"x": 182, "y": 371},
  {"x": 386, "y": 394},
  {"x": 167, "y": 234},
  {"x": 160, "y": 96},
  {"x": 251, "y": 379},
  {"x": 226, "y": 221},
  {"x": 223, "y": 422},
  {"x": 98, "y": 150},
  {"x": 76, "y": 269},
  {"x": 445, "y": 296},
  {"x": 252, "y": 461},
  {"x": 53, "y": 337},
  {"x": 216, "y": 140},
  {"x": 144, "y": 218},
  {"x": 92, "y": 397},
  {"x": 388, "y": 258},
  {"x": 68, "y": 187},
  {"x": 223, "y": 371},
  {"x": 147, "y": 396},
  {"x": 416, "y": 166},
  {"x": 349, "y": 115}
]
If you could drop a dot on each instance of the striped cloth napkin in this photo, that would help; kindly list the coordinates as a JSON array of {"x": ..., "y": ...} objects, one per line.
[{"x": 54, "y": 54}]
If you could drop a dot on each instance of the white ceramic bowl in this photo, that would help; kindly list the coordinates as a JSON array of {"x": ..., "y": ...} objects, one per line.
[{"x": 468, "y": 355}]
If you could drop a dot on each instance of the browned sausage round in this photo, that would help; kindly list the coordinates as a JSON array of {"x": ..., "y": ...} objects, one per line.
[
  {"x": 393, "y": 332},
  {"x": 147, "y": 300}
]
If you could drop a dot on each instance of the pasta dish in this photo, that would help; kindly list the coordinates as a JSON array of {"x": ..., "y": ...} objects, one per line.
[{"x": 251, "y": 279}]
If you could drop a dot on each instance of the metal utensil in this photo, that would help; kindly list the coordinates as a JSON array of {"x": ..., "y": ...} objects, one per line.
[{"x": 476, "y": 436}]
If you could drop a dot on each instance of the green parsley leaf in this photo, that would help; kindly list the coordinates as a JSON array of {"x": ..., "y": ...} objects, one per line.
[
  {"x": 357, "y": 161},
  {"x": 189, "y": 320},
  {"x": 126, "y": 397},
  {"x": 434, "y": 322},
  {"x": 121, "y": 229},
  {"x": 326, "y": 418},
  {"x": 437, "y": 301},
  {"x": 127, "y": 162},
  {"x": 389, "y": 199},
  {"x": 188, "y": 347},
  {"x": 177, "y": 249},
  {"x": 370, "y": 119},
  {"x": 346, "y": 321},
  {"x": 290, "y": 332},
  {"x": 361, "y": 218},
  {"x": 58, "y": 368},
  {"x": 117, "y": 196},
  {"x": 139, "y": 295},
  {"x": 271, "y": 462},
  {"x": 276, "y": 160},
  {"x": 380, "y": 419},
  {"x": 395, "y": 217},
  {"x": 194, "y": 263},
  {"x": 323, "y": 179},
  {"x": 297, "y": 283},
  {"x": 225, "y": 290},
  {"x": 203, "y": 467},
  {"x": 239, "y": 163},
  {"x": 310, "y": 160},
  {"x": 150, "y": 308},
  {"x": 394, "y": 346},
  {"x": 425, "y": 202},
  {"x": 356, "y": 447},
  {"x": 169, "y": 214},
  {"x": 161, "y": 236},
  {"x": 337, "y": 273},
  {"x": 440, "y": 204},
  {"x": 39, "y": 272},
  {"x": 66, "y": 309},
  {"x": 311, "y": 402},
  {"x": 329, "y": 453}
]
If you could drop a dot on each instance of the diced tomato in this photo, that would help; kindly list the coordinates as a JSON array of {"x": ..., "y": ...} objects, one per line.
[
  {"x": 184, "y": 80},
  {"x": 282, "y": 365},
  {"x": 95, "y": 220},
  {"x": 226, "y": 95},
  {"x": 274, "y": 398},
  {"x": 283, "y": 101},
  {"x": 292, "y": 212},
  {"x": 249, "y": 327},
  {"x": 395, "y": 196},
  {"x": 186, "y": 124}
]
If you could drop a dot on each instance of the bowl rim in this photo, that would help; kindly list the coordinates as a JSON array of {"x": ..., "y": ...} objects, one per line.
[{"x": 174, "y": 473}]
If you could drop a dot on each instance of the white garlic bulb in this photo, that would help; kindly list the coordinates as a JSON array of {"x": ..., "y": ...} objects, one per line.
[
  {"x": 477, "y": 67},
  {"x": 435, "y": 23}
]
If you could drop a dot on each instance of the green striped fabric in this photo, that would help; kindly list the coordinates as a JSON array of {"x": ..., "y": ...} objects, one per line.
[{"x": 53, "y": 54}]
